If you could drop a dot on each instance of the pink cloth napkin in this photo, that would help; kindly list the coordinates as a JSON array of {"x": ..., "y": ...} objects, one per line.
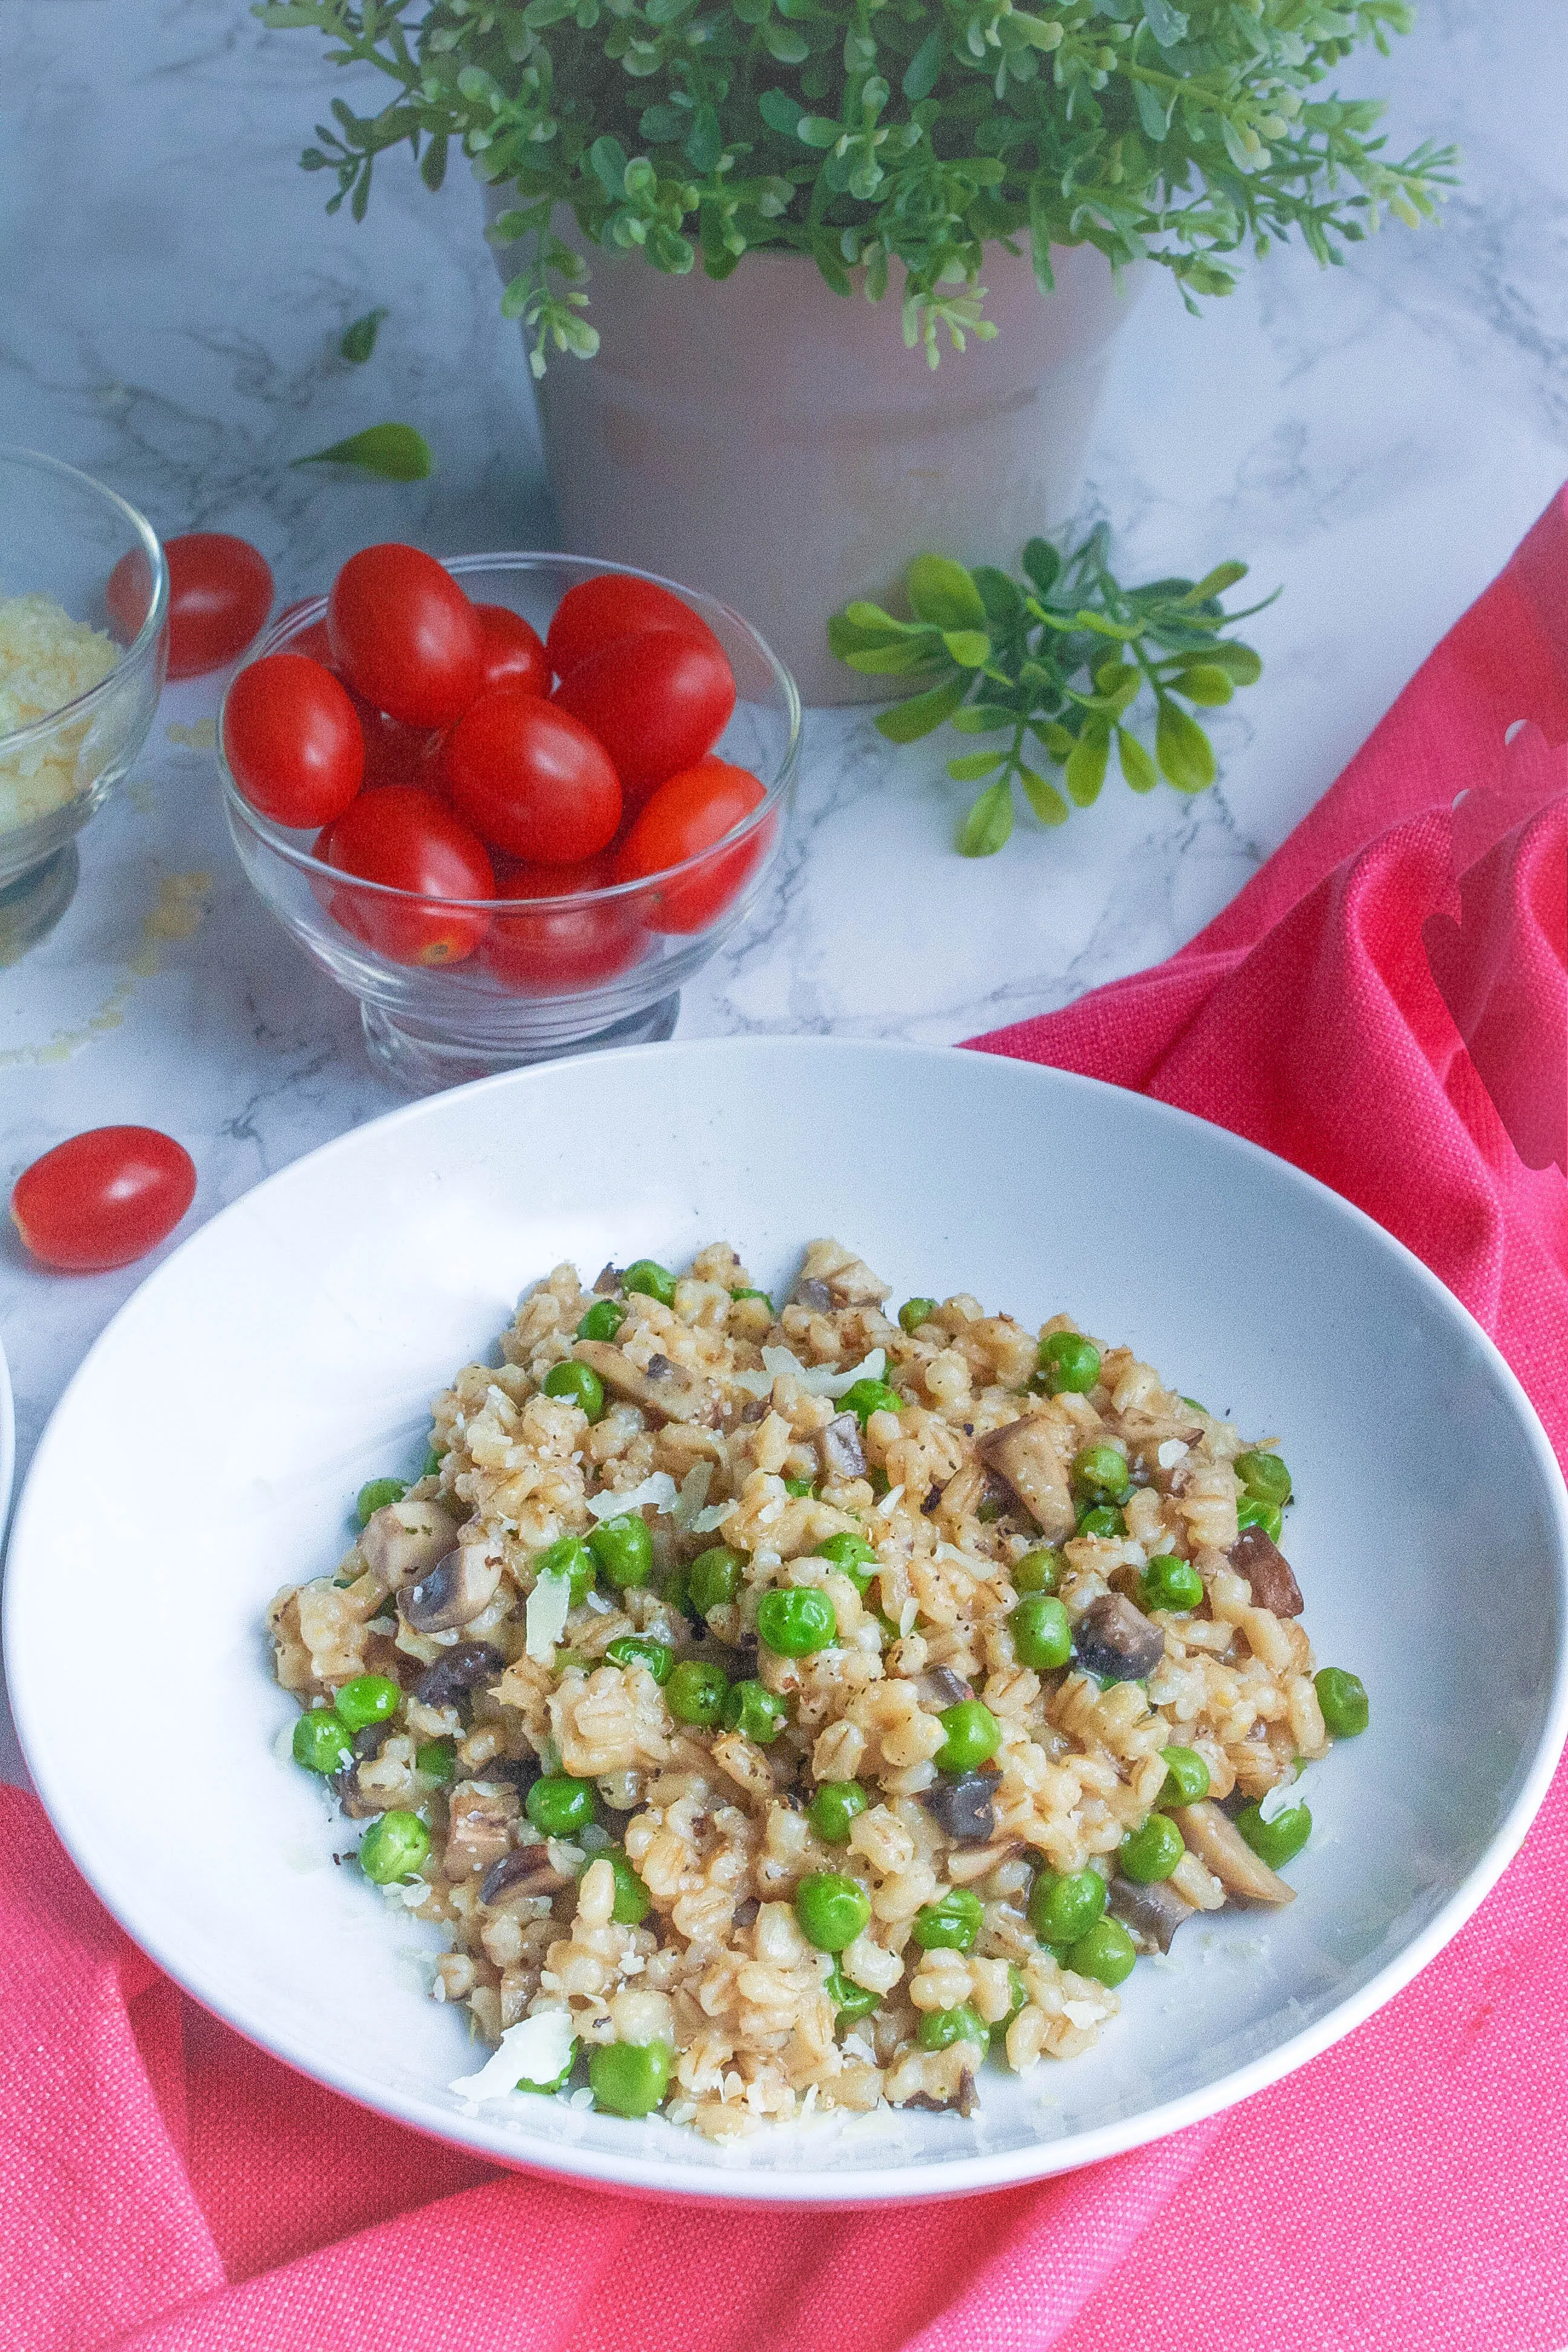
[{"x": 1384, "y": 1004}]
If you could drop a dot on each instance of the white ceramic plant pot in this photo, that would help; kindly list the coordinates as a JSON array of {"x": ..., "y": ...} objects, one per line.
[{"x": 778, "y": 445}]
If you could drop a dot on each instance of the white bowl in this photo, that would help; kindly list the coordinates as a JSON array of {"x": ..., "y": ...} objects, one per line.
[{"x": 210, "y": 1445}]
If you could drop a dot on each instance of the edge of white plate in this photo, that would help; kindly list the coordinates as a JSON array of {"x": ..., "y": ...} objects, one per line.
[
  {"x": 7, "y": 1441},
  {"x": 658, "y": 2175}
]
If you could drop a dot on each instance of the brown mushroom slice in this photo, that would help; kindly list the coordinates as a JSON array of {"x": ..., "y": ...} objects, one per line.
[
  {"x": 1257, "y": 1555},
  {"x": 663, "y": 1388},
  {"x": 1117, "y": 1642},
  {"x": 527, "y": 1870},
  {"x": 453, "y": 1591},
  {"x": 1154, "y": 1913},
  {"x": 838, "y": 1447},
  {"x": 848, "y": 1279},
  {"x": 479, "y": 1831},
  {"x": 1218, "y": 1843},
  {"x": 403, "y": 1540},
  {"x": 1024, "y": 1454}
]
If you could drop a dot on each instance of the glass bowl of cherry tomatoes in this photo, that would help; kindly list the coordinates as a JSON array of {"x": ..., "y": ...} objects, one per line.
[{"x": 510, "y": 802}]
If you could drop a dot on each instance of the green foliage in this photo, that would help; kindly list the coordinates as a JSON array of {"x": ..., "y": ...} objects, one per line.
[
  {"x": 396, "y": 452},
  {"x": 864, "y": 133},
  {"x": 1053, "y": 664},
  {"x": 359, "y": 336}
]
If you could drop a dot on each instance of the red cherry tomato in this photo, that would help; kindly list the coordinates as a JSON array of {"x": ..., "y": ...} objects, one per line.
[
  {"x": 614, "y": 605},
  {"x": 531, "y": 780},
  {"x": 656, "y": 701},
  {"x": 313, "y": 641},
  {"x": 396, "y": 754},
  {"x": 405, "y": 635},
  {"x": 685, "y": 816},
  {"x": 406, "y": 838},
  {"x": 292, "y": 740},
  {"x": 220, "y": 593},
  {"x": 513, "y": 653},
  {"x": 104, "y": 1198},
  {"x": 552, "y": 950}
]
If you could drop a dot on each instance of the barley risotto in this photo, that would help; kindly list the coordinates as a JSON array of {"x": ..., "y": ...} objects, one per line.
[{"x": 787, "y": 1709}]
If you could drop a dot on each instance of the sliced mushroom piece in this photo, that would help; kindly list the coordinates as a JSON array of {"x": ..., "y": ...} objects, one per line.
[
  {"x": 838, "y": 1448},
  {"x": 813, "y": 1295},
  {"x": 607, "y": 1281},
  {"x": 1220, "y": 1844},
  {"x": 961, "y": 1803},
  {"x": 453, "y": 1591},
  {"x": 1257, "y": 1555},
  {"x": 1024, "y": 1453},
  {"x": 1116, "y": 1640},
  {"x": 1154, "y": 1913},
  {"x": 527, "y": 1870},
  {"x": 479, "y": 1831},
  {"x": 669, "y": 1391},
  {"x": 403, "y": 1540},
  {"x": 848, "y": 1279},
  {"x": 946, "y": 1686},
  {"x": 457, "y": 1670}
]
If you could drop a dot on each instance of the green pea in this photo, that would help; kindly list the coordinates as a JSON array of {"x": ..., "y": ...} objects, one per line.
[
  {"x": 368, "y": 1698},
  {"x": 437, "y": 1757},
  {"x": 832, "y": 1909},
  {"x": 834, "y": 1808},
  {"x": 713, "y": 1577},
  {"x": 1342, "y": 1697},
  {"x": 569, "y": 1556},
  {"x": 634, "y": 1650},
  {"x": 867, "y": 1397},
  {"x": 394, "y": 1847},
  {"x": 630, "y": 2078},
  {"x": 1280, "y": 1841},
  {"x": 1020, "y": 1992},
  {"x": 755, "y": 1713},
  {"x": 1106, "y": 1953},
  {"x": 764, "y": 1296},
  {"x": 1264, "y": 1475},
  {"x": 853, "y": 1557},
  {"x": 940, "y": 2028},
  {"x": 795, "y": 1621},
  {"x": 1069, "y": 1363},
  {"x": 799, "y": 1487},
  {"x": 916, "y": 1311},
  {"x": 1151, "y": 1853},
  {"x": 376, "y": 1495},
  {"x": 433, "y": 1461},
  {"x": 1196, "y": 1406},
  {"x": 1040, "y": 1571},
  {"x": 1063, "y": 1909},
  {"x": 580, "y": 1382},
  {"x": 974, "y": 1736},
  {"x": 603, "y": 1320},
  {"x": 1170, "y": 1583},
  {"x": 322, "y": 1743},
  {"x": 1100, "y": 1519},
  {"x": 695, "y": 1692},
  {"x": 624, "y": 1549},
  {"x": 633, "y": 1902},
  {"x": 1186, "y": 1777},
  {"x": 951, "y": 1924},
  {"x": 1251, "y": 1513},
  {"x": 1042, "y": 1637},
  {"x": 1099, "y": 1474},
  {"x": 558, "y": 1804},
  {"x": 654, "y": 1281},
  {"x": 851, "y": 2001}
]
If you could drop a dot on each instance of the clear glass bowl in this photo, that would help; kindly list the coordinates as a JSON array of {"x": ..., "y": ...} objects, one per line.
[
  {"x": 61, "y": 535},
  {"x": 545, "y": 976}
]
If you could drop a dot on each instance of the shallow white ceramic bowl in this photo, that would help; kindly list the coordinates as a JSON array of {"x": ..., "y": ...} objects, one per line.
[{"x": 210, "y": 1445}]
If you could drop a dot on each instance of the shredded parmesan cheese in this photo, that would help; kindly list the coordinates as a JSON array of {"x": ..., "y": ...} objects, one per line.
[
  {"x": 821, "y": 1379},
  {"x": 535, "y": 2052},
  {"x": 658, "y": 1490},
  {"x": 47, "y": 660},
  {"x": 544, "y": 1617}
]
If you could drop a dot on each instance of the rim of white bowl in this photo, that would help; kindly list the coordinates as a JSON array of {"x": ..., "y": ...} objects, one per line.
[
  {"x": 13, "y": 453},
  {"x": 660, "y": 2173}
]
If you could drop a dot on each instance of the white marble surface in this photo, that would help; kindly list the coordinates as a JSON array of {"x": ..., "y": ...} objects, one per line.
[{"x": 1374, "y": 437}]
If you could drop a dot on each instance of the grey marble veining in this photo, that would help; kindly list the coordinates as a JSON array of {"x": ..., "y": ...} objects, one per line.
[{"x": 1374, "y": 437}]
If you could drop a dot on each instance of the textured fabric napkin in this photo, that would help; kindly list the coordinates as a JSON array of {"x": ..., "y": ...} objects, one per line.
[{"x": 1384, "y": 1005}]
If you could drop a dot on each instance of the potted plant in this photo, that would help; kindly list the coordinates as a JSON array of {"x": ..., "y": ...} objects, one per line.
[{"x": 694, "y": 195}]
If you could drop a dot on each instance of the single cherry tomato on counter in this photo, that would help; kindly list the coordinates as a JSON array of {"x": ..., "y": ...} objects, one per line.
[
  {"x": 104, "y": 1199},
  {"x": 405, "y": 635},
  {"x": 531, "y": 780},
  {"x": 407, "y": 839},
  {"x": 220, "y": 593},
  {"x": 552, "y": 950},
  {"x": 513, "y": 653},
  {"x": 686, "y": 816},
  {"x": 292, "y": 740},
  {"x": 615, "y": 604},
  {"x": 656, "y": 701}
]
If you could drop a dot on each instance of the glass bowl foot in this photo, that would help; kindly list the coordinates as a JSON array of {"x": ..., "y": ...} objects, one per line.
[
  {"x": 424, "y": 1065},
  {"x": 32, "y": 905}
]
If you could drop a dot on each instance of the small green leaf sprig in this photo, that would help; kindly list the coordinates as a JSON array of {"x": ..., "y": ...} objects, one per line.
[{"x": 1054, "y": 664}]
